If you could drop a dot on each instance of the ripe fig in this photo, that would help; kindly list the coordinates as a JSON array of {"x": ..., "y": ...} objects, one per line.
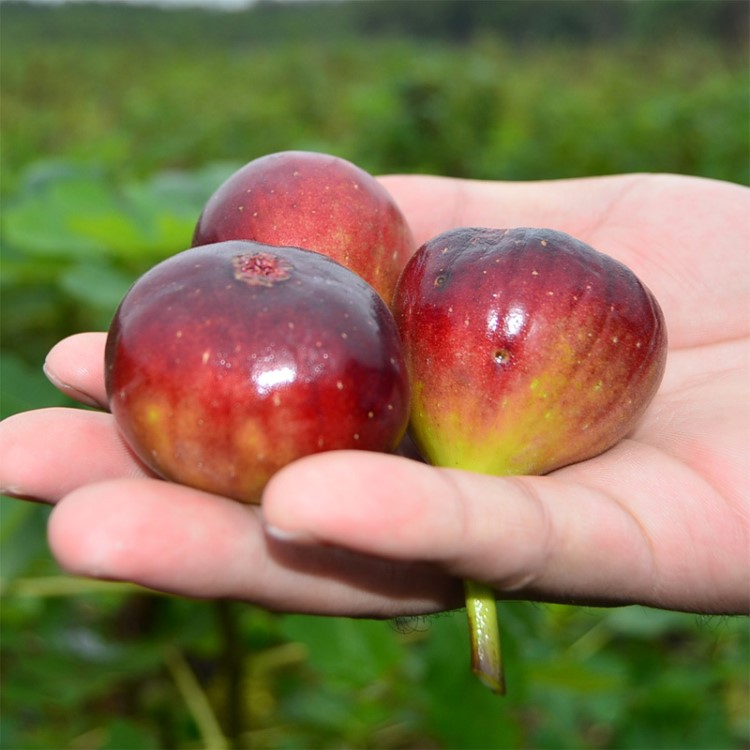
[
  {"x": 527, "y": 350},
  {"x": 314, "y": 201},
  {"x": 228, "y": 361}
]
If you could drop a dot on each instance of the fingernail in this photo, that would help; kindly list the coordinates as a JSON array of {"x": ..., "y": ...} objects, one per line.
[
  {"x": 11, "y": 491},
  {"x": 16, "y": 493},
  {"x": 283, "y": 535}
]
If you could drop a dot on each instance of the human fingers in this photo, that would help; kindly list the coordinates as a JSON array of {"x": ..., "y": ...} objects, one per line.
[
  {"x": 48, "y": 453},
  {"x": 631, "y": 526},
  {"x": 187, "y": 542},
  {"x": 508, "y": 533},
  {"x": 75, "y": 366}
]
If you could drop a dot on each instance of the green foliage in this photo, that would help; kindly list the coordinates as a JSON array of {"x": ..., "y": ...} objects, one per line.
[
  {"x": 117, "y": 125},
  {"x": 148, "y": 95},
  {"x": 91, "y": 667},
  {"x": 74, "y": 239}
]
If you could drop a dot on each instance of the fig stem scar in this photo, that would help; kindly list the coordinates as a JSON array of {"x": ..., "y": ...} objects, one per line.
[{"x": 484, "y": 632}]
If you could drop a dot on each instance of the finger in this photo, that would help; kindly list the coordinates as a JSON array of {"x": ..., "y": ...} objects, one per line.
[
  {"x": 47, "y": 453},
  {"x": 75, "y": 366},
  {"x": 504, "y": 532},
  {"x": 567, "y": 537},
  {"x": 179, "y": 540}
]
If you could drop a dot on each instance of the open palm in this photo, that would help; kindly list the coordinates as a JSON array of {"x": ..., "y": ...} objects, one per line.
[{"x": 661, "y": 519}]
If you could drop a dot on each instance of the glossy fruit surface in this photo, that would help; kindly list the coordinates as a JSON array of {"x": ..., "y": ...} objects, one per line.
[
  {"x": 228, "y": 361},
  {"x": 527, "y": 349},
  {"x": 314, "y": 201}
]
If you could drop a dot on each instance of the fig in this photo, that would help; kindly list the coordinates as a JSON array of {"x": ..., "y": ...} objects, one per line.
[
  {"x": 527, "y": 350},
  {"x": 225, "y": 362},
  {"x": 315, "y": 201}
]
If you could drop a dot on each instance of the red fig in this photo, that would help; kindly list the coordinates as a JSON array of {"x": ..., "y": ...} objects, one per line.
[
  {"x": 314, "y": 201},
  {"x": 527, "y": 350},
  {"x": 228, "y": 361}
]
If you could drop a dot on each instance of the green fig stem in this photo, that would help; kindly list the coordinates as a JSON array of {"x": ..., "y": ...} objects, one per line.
[{"x": 484, "y": 632}]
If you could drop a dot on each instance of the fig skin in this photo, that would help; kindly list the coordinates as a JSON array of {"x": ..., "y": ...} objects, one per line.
[
  {"x": 226, "y": 362},
  {"x": 318, "y": 202},
  {"x": 527, "y": 349}
]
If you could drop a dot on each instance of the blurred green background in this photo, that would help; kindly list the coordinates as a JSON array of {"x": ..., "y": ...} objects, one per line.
[{"x": 117, "y": 123}]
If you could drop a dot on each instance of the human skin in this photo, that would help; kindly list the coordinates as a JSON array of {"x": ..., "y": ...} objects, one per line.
[{"x": 661, "y": 519}]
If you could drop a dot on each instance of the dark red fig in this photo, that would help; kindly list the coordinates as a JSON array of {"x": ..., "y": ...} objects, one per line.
[
  {"x": 226, "y": 362},
  {"x": 315, "y": 201},
  {"x": 527, "y": 350}
]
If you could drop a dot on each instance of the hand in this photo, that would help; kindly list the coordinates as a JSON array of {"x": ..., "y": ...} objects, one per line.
[{"x": 661, "y": 519}]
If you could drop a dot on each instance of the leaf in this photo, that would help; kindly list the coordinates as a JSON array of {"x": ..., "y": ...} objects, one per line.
[
  {"x": 124, "y": 733},
  {"x": 23, "y": 537},
  {"x": 95, "y": 284},
  {"x": 23, "y": 387},
  {"x": 643, "y": 622},
  {"x": 62, "y": 210},
  {"x": 351, "y": 652},
  {"x": 73, "y": 212}
]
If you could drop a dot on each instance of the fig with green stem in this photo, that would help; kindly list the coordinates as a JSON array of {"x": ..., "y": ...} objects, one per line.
[{"x": 527, "y": 350}]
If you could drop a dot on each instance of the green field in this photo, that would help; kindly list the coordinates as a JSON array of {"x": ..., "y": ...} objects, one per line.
[{"x": 116, "y": 126}]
